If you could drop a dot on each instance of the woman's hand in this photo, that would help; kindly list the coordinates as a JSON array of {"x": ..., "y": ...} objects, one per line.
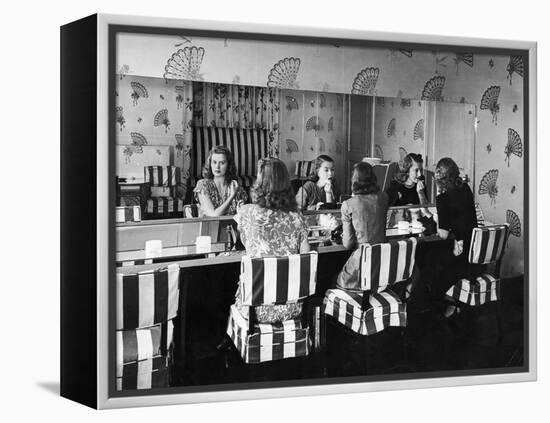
[
  {"x": 233, "y": 187},
  {"x": 329, "y": 193},
  {"x": 420, "y": 186}
]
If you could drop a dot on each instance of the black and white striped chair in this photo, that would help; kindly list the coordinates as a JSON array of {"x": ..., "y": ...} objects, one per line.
[
  {"x": 273, "y": 280},
  {"x": 375, "y": 307},
  {"x": 163, "y": 202},
  {"x": 247, "y": 145},
  {"x": 128, "y": 214},
  {"x": 146, "y": 304},
  {"x": 487, "y": 247}
]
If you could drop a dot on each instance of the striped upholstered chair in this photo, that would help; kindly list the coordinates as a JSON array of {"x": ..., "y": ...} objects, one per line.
[
  {"x": 487, "y": 247},
  {"x": 163, "y": 202},
  {"x": 146, "y": 304},
  {"x": 273, "y": 280},
  {"x": 375, "y": 307},
  {"x": 248, "y": 145}
]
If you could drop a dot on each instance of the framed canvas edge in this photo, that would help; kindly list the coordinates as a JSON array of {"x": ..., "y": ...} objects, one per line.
[{"x": 103, "y": 399}]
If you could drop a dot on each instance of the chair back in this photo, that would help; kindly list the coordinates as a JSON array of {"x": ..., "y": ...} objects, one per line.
[
  {"x": 278, "y": 280},
  {"x": 488, "y": 243},
  {"x": 162, "y": 176},
  {"x": 147, "y": 298},
  {"x": 479, "y": 215},
  {"x": 128, "y": 214},
  {"x": 304, "y": 168},
  {"x": 387, "y": 263}
]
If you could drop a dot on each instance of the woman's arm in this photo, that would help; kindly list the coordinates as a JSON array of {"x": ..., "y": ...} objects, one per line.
[
  {"x": 207, "y": 206},
  {"x": 304, "y": 246},
  {"x": 349, "y": 239}
]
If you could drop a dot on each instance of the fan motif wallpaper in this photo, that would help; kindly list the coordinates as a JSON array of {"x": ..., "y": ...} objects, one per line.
[{"x": 494, "y": 83}]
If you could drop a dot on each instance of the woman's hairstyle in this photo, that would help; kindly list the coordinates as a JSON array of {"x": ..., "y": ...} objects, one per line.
[
  {"x": 272, "y": 189},
  {"x": 313, "y": 176},
  {"x": 231, "y": 172},
  {"x": 363, "y": 179},
  {"x": 404, "y": 167},
  {"x": 447, "y": 175}
]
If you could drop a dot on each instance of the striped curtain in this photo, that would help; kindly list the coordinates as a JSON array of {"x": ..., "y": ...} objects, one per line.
[{"x": 237, "y": 106}]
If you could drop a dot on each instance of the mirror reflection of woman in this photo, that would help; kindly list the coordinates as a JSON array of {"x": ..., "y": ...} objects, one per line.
[
  {"x": 219, "y": 192},
  {"x": 408, "y": 186},
  {"x": 271, "y": 226},
  {"x": 363, "y": 220},
  {"x": 321, "y": 187}
]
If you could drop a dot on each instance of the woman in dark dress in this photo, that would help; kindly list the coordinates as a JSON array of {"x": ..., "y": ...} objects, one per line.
[
  {"x": 456, "y": 217},
  {"x": 321, "y": 187},
  {"x": 408, "y": 186}
]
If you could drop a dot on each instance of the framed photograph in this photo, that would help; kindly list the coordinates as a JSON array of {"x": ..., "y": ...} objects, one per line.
[{"x": 254, "y": 211}]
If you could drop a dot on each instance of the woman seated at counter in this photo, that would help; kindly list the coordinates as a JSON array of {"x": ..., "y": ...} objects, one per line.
[
  {"x": 456, "y": 216},
  {"x": 321, "y": 187},
  {"x": 271, "y": 226},
  {"x": 219, "y": 192},
  {"x": 408, "y": 186},
  {"x": 363, "y": 220}
]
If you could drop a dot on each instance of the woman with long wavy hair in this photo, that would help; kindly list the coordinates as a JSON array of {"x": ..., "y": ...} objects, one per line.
[
  {"x": 408, "y": 187},
  {"x": 456, "y": 216},
  {"x": 271, "y": 226},
  {"x": 219, "y": 192}
]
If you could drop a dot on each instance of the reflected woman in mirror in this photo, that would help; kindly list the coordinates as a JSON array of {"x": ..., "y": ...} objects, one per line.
[
  {"x": 408, "y": 185},
  {"x": 271, "y": 226},
  {"x": 219, "y": 192},
  {"x": 320, "y": 187},
  {"x": 457, "y": 217},
  {"x": 363, "y": 220}
]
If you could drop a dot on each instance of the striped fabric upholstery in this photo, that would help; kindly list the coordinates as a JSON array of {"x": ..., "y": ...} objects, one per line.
[
  {"x": 162, "y": 176},
  {"x": 479, "y": 215},
  {"x": 191, "y": 210},
  {"x": 164, "y": 205},
  {"x": 487, "y": 245},
  {"x": 303, "y": 168},
  {"x": 144, "y": 374},
  {"x": 247, "y": 146},
  {"x": 476, "y": 292},
  {"x": 278, "y": 280},
  {"x": 128, "y": 214},
  {"x": 148, "y": 298},
  {"x": 141, "y": 344},
  {"x": 268, "y": 342},
  {"x": 345, "y": 306},
  {"x": 385, "y": 264}
]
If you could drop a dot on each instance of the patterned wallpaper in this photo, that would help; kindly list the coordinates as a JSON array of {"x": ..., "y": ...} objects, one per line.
[
  {"x": 398, "y": 128},
  {"x": 149, "y": 113},
  {"x": 492, "y": 82},
  {"x": 312, "y": 124}
]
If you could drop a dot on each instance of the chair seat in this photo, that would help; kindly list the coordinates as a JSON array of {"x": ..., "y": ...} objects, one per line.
[
  {"x": 345, "y": 306},
  {"x": 142, "y": 344},
  {"x": 475, "y": 292},
  {"x": 268, "y": 341},
  {"x": 164, "y": 205},
  {"x": 143, "y": 374}
]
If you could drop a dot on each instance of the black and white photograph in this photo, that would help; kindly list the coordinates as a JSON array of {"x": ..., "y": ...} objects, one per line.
[
  {"x": 308, "y": 211},
  {"x": 274, "y": 211}
]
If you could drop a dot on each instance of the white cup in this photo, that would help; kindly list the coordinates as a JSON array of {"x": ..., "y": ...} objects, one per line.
[
  {"x": 203, "y": 243},
  {"x": 153, "y": 248}
]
